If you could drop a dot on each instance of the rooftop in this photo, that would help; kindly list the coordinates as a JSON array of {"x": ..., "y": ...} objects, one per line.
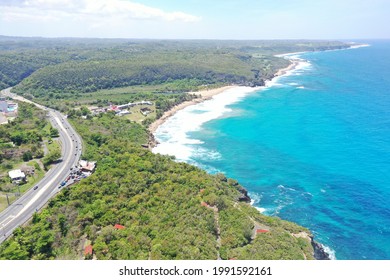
[
  {"x": 16, "y": 174},
  {"x": 118, "y": 226},
  {"x": 87, "y": 165},
  {"x": 88, "y": 250}
]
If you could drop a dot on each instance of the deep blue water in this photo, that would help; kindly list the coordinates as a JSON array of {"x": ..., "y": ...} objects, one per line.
[{"x": 314, "y": 148}]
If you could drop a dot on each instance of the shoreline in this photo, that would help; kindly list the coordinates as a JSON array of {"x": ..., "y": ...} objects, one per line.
[
  {"x": 293, "y": 64},
  {"x": 319, "y": 250},
  {"x": 203, "y": 95}
]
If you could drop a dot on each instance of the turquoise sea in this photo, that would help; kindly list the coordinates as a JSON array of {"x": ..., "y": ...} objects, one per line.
[{"x": 313, "y": 147}]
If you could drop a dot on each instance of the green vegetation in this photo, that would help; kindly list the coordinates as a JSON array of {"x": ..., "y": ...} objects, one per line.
[
  {"x": 157, "y": 200},
  {"x": 61, "y": 72},
  {"x": 51, "y": 158},
  {"x": 162, "y": 102},
  {"x": 147, "y": 68},
  {"x": 20, "y": 140},
  {"x": 21, "y": 148}
]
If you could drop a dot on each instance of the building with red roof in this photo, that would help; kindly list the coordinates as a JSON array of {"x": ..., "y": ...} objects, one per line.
[
  {"x": 118, "y": 226},
  {"x": 88, "y": 250}
]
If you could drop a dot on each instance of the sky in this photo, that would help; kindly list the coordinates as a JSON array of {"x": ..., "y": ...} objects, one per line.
[{"x": 197, "y": 19}]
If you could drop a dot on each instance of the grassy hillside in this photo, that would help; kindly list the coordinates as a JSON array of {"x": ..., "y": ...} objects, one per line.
[{"x": 169, "y": 210}]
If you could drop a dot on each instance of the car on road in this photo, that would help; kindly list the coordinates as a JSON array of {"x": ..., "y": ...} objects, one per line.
[{"x": 36, "y": 187}]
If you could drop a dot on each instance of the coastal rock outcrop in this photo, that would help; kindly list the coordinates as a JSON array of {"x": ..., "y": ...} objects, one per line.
[
  {"x": 244, "y": 194},
  {"x": 152, "y": 142},
  {"x": 319, "y": 251}
]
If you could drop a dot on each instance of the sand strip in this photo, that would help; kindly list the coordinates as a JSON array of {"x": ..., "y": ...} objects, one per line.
[
  {"x": 203, "y": 96},
  {"x": 208, "y": 94}
]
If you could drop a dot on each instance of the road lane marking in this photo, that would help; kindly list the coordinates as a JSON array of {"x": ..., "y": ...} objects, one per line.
[
  {"x": 47, "y": 185},
  {"x": 35, "y": 197},
  {"x": 10, "y": 218}
]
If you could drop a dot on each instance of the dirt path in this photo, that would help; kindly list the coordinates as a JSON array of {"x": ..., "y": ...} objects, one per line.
[{"x": 216, "y": 220}]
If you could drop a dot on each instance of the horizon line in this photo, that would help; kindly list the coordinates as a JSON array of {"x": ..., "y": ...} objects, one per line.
[{"x": 190, "y": 39}]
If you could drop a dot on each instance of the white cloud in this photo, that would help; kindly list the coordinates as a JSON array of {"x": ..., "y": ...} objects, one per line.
[{"x": 106, "y": 10}]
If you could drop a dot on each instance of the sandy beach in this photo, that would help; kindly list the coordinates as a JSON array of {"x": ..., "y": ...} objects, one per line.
[
  {"x": 207, "y": 94},
  {"x": 203, "y": 96},
  {"x": 283, "y": 71}
]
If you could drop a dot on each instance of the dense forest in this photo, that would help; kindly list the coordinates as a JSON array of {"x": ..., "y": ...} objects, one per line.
[
  {"x": 59, "y": 67},
  {"x": 166, "y": 210}
]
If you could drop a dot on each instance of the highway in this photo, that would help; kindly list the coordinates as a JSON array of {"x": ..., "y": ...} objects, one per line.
[{"x": 22, "y": 209}]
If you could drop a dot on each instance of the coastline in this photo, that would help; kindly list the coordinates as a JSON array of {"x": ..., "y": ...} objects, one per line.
[
  {"x": 320, "y": 251},
  {"x": 293, "y": 64},
  {"x": 203, "y": 95}
]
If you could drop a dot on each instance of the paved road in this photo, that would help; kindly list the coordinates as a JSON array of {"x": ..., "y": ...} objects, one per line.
[{"x": 22, "y": 209}]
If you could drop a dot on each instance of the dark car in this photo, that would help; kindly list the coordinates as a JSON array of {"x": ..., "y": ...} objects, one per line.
[{"x": 35, "y": 188}]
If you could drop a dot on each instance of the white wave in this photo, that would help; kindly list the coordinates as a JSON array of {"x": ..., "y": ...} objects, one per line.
[
  {"x": 290, "y": 54},
  {"x": 261, "y": 210},
  {"x": 173, "y": 135},
  {"x": 206, "y": 154},
  {"x": 307, "y": 194},
  {"x": 281, "y": 187},
  {"x": 301, "y": 87},
  {"x": 209, "y": 169},
  {"x": 330, "y": 252},
  {"x": 302, "y": 65},
  {"x": 273, "y": 82},
  {"x": 255, "y": 199},
  {"x": 359, "y": 46}
]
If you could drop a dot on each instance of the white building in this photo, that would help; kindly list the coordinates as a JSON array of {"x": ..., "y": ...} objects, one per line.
[
  {"x": 17, "y": 175},
  {"x": 87, "y": 167}
]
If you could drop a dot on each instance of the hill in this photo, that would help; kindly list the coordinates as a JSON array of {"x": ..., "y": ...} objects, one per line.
[
  {"x": 57, "y": 67},
  {"x": 167, "y": 210}
]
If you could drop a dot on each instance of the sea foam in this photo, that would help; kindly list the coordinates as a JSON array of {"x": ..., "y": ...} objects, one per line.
[{"x": 173, "y": 135}]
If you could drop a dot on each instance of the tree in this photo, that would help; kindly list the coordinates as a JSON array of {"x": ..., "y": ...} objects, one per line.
[
  {"x": 14, "y": 251},
  {"x": 27, "y": 156},
  {"x": 18, "y": 138},
  {"x": 54, "y": 132},
  {"x": 84, "y": 111},
  {"x": 51, "y": 157}
]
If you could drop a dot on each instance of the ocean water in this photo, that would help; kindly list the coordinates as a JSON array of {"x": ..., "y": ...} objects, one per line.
[{"x": 313, "y": 147}]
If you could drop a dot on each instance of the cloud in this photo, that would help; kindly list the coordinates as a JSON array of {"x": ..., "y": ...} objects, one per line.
[{"x": 106, "y": 10}]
